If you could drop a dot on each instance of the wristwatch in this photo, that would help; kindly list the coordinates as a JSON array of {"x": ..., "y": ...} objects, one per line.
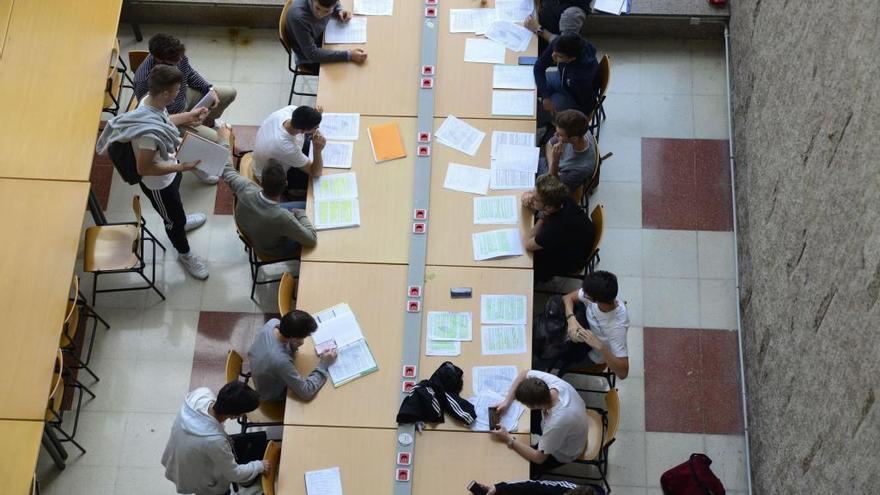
[{"x": 567, "y": 317}]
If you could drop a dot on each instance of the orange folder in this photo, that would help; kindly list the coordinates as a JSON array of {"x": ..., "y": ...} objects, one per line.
[{"x": 386, "y": 142}]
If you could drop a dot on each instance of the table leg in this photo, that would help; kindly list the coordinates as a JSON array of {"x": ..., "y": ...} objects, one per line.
[
  {"x": 95, "y": 209},
  {"x": 54, "y": 448}
]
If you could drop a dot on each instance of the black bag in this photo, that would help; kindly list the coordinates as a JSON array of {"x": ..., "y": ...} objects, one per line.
[
  {"x": 550, "y": 344},
  {"x": 122, "y": 156},
  {"x": 249, "y": 447}
]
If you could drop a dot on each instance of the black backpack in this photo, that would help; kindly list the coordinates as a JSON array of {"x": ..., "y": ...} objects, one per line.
[
  {"x": 122, "y": 156},
  {"x": 550, "y": 344}
]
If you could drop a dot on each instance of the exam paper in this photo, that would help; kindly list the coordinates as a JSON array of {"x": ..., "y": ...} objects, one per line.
[
  {"x": 352, "y": 361},
  {"x": 459, "y": 135},
  {"x": 374, "y": 7},
  {"x": 335, "y": 186},
  {"x": 503, "y": 339},
  {"x": 336, "y": 154},
  {"x": 337, "y": 213},
  {"x": 212, "y": 155},
  {"x": 483, "y": 51},
  {"x": 497, "y": 243},
  {"x": 513, "y": 36},
  {"x": 482, "y": 403},
  {"x": 342, "y": 328},
  {"x": 513, "y": 10},
  {"x": 467, "y": 179},
  {"x": 353, "y": 31},
  {"x": 495, "y": 210},
  {"x": 513, "y": 77},
  {"x": 504, "y": 138},
  {"x": 506, "y": 179},
  {"x": 462, "y": 20},
  {"x": 340, "y": 126},
  {"x": 517, "y": 157},
  {"x": 442, "y": 347},
  {"x": 505, "y": 309},
  {"x": 447, "y": 325},
  {"x": 615, "y": 7},
  {"x": 324, "y": 482},
  {"x": 513, "y": 102},
  {"x": 492, "y": 378}
]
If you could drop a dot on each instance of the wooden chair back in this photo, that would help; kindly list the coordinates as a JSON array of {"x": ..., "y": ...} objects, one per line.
[
  {"x": 286, "y": 290},
  {"x": 136, "y": 58},
  {"x": 246, "y": 167},
  {"x": 598, "y": 219},
  {"x": 273, "y": 457},
  {"x": 234, "y": 364},
  {"x": 56, "y": 390},
  {"x": 604, "y": 75},
  {"x": 612, "y": 405},
  {"x": 282, "y": 32}
]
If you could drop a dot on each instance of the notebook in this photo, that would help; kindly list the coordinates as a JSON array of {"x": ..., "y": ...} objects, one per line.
[
  {"x": 386, "y": 142},
  {"x": 212, "y": 155}
]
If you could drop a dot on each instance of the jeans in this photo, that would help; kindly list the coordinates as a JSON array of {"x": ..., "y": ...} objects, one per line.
[{"x": 558, "y": 95}]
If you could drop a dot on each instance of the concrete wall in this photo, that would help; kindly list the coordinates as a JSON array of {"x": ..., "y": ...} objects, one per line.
[{"x": 806, "y": 94}]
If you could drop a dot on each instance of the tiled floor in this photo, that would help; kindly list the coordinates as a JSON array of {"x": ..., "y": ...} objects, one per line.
[{"x": 668, "y": 238}]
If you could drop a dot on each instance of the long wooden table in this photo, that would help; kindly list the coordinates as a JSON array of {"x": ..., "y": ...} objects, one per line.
[{"x": 19, "y": 446}]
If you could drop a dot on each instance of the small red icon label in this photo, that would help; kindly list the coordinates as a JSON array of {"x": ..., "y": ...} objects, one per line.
[
  {"x": 420, "y": 214},
  {"x": 424, "y": 137},
  {"x": 404, "y": 458},
  {"x": 409, "y": 371},
  {"x": 402, "y": 474},
  {"x": 419, "y": 228},
  {"x": 408, "y": 386},
  {"x": 424, "y": 150},
  {"x": 430, "y": 12},
  {"x": 427, "y": 70},
  {"x": 413, "y": 306},
  {"x": 427, "y": 83},
  {"x": 414, "y": 291}
]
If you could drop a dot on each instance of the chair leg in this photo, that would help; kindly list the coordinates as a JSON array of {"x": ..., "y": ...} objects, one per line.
[
  {"x": 94, "y": 288},
  {"x": 292, "y": 89},
  {"x": 53, "y": 448},
  {"x": 80, "y": 365},
  {"x": 152, "y": 283},
  {"x": 68, "y": 438}
]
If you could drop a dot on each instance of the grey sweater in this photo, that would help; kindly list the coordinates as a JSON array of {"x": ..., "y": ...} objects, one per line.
[
  {"x": 273, "y": 371},
  {"x": 142, "y": 121},
  {"x": 305, "y": 31},
  {"x": 268, "y": 226}
]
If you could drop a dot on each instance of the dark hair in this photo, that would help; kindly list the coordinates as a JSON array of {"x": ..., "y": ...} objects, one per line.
[
  {"x": 305, "y": 117},
  {"x": 569, "y": 44},
  {"x": 297, "y": 324},
  {"x": 601, "y": 286},
  {"x": 235, "y": 399},
  {"x": 274, "y": 179},
  {"x": 533, "y": 392},
  {"x": 327, "y": 3},
  {"x": 582, "y": 490},
  {"x": 573, "y": 122},
  {"x": 551, "y": 191},
  {"x": 163, "y": 78},
  {"x": 166, "y": 47}
]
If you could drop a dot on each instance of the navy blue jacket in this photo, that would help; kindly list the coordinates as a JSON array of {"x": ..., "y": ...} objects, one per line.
[{"x": 580, "y": 77}]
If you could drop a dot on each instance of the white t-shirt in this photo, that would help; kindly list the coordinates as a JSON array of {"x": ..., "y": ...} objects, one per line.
[
  {"x": 274, "y": 143},
  {"x": 155, "y": 182},
  {"x": 564, "y": 427},
  {"x": 609, "y": 327}
]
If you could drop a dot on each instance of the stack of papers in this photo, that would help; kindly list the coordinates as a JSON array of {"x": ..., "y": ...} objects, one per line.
[
  {"x": 504, "y": 138},
  {"x": 475, "y": 21},
  {"x": 513, "y": 36},
  {"x": 496, "y": 210},
  {"x": 615, "y": 7},
  {"x": 514, "y": 103},
  {"x": 459, "y": 135},
  {"x": 483, "y": 51},
  {"x": 351, "y": 32},
  {"x": 492, "y": 379},
  {"x": 336, "y": 154},
  {"x": 336, "y": 203},
  {"x": 386, "y": 142},
  {"x": 374, "y": 7},
  {"x": 446, "y": 331},
  {"x": 338, "y": 326},
  {"x": 341, "y": 126},
  {"x": 514, "y": 160},
  {"x": 497, "y": 243},
  {"x": 467, "y": 179},
  {"x": 513, "y": 77},
  {"x": 482, "y": 403},
  {"x": 213, "y": 156},
  {"x": 324, "y": 482}
]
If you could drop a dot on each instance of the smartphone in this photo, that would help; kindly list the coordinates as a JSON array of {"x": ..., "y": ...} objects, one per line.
[
  {"x": 494, "y": 418},
  {"x": 527, "y": 60},
  {"x": 476, "y": 489}
]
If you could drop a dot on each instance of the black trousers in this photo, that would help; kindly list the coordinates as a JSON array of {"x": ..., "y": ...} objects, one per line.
[{"x": 169, "y": 206}]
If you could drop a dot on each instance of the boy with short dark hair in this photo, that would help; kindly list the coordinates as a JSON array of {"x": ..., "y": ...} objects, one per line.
[
  {"x": 571, "y": 153},
  {"x": 280, "y": 140},
  {"x": 574, "y": 85},
  {"x": 304, "y": 29}
]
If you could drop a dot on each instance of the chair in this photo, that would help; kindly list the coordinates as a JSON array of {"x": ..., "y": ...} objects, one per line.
[
  {"x": 54, "y": 416},
  {"x": 286, "y": 293},
  {"x": 273, "y": 457},
  {"x": 598, "y": 114},
  {"x": 119, "y": 248},
  {"x": 136, "y": 58},
  {"x": 297, "y": 69},
  {"x": 246, "y": 167},
  {"x": 117, "y": 75},
  {"x": 598, "y": 219},
  {"x": 258, "y": 260},
  {"x": 268, "y": 413},
  {"x": 68, "y": 341}
]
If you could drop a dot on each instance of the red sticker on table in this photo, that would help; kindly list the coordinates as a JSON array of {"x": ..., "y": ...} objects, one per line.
[
  {"x": 431, "y": 12},
  {"x": 424, "y": 150},
  {"x": 408, "y": 386},
  {"x": 424, "y": 137},
  {"x": 402, "y": 474},
  {"x": 404, "y": 458},
  {"x": 413, "y": 306},
  {"x": 414, "y": 291},
  {"x": 419, "y": 228},
  {"x": 427, "y": 70},
  {"x": 431, "y": 2},
  {"x": 427, "y": 83},
  {"x": 409, "y": 371},
  {"x": 420, "y": 214}
]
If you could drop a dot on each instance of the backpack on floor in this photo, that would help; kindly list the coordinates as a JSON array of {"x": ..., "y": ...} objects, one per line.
[
  {"x": 692, "y": 477},
  {"x": 124, "y": 161}
]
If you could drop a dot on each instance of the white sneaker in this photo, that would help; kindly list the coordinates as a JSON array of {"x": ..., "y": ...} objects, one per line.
[
  {"x": 194, "y": 264},
  {"x": 195, "y": 220},
  {"x": 205, "y": 178}
]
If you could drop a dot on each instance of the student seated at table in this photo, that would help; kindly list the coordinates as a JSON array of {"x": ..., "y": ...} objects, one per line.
[
  {"x": 272, "y": 355},
  {"x": 603, "y": 340},
  {"x": 559, "y": 416},
  {"x": 563, "y": 233},
  {"x": 540, "y": 487},
  {"x": 576, "y": 82},
  {"x": 304, "y": 28},
  {"x": 555, "y": 17},
  {"x": 198, "y": 457},
  {"x": 165, "y": 49},
  {"x": 280, "y": 139},
  {"x": 571, "y": 153}
]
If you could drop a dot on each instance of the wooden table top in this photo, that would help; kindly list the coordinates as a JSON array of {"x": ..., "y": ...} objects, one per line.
[
  {"x": 41, "y": 224},
  {"x": 388, "y": 82},
  {"x": 451, "y": 217},
  {"x": 385, "y": 195},
  {"x": 443, "y": 462},
  {"x": 18, "y": 455},
  {"x": 464, "y": 89},
  {"x": 5, "y": 15}
]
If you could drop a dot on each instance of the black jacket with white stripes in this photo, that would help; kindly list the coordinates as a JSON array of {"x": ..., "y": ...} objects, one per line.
[
  {"x": 430, "y": 398},
  {"x": 539, "y": 487}
]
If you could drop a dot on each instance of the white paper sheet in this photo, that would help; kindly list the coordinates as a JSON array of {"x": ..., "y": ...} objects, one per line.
[
  {"x": 353, "y": 31},
  {"x": 497, "y": 243},
  {"x": 483, "y": 51},
  {"x": 336, "y": 154},
  {"x": 615, "y": 7},
  {"x": 517, "y": 157},
  {"x": 337, "y": 213},
  {"x": 335, "y": 186},
  {"x": 459, "y": 135},
  {"x": 352, "y": 361},
  {"x": 448, "y": 325},
  {"x": 496, "y": 210},
  {"x": 206, "y": 101},
  {"x": 340, "y": 126},
  {"x": 513, "y": 77},
  {"x": 482, "y": 403},
  {"x": 324, "y": 482},
  {"x": 343, "y": 328},
  {"x": 512, "y": 36},
  {"x": 520, "y": 103},
  {"x": 503, "y": 309},
  {"x": 503, "y": 339},
  {"x": 503, "y": 138},
  {"x": 483, "y": 19},
  {"x": 462, "y": 20},
  {"x": 442, "y": 347},
  {"x": 514, "y": 10},
  {"x": 492, "y": 378},
  {"x": 504, "y": 179},
  {"x": 373, "y": 7},
  {"x": 213, "y": 156},
  {"x": 467, "y": 179}
]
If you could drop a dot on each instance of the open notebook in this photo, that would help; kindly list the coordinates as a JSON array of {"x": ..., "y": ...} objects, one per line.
[{"x": 338, "y": 327}]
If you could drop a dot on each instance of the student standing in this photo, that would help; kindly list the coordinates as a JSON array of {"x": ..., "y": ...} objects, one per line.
[
  {"x": 304, "y": 28},
  {"x": 555, "y": 17}
]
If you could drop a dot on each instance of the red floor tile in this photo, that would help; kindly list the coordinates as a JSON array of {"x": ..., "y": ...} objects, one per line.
[
  {"x": 219, "y": 332},
  {"x": 101, "y": 179},
  {"x": 673, "y": 405},
  {"x": 722, "y": 407},
  {"x": 719, "y": 355},
  {"x": 244, "y": 137},
  {"x": 674, "y": 353},
  {"x": 211, "y": 374},
  {"x": 223, "y": 199}
]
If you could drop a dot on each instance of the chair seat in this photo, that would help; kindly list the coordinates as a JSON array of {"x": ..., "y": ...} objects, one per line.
[
  {"x": 594, "y": 436},
  {"x": 268, "y": 412},
  {"x": 111, "y": 247}
]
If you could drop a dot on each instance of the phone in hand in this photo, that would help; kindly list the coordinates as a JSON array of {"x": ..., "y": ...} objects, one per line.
[
  {"x": 494, "y": 418},
  {"x": 476, "y": 489}
]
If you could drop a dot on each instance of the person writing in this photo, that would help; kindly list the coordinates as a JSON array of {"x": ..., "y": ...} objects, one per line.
[{"x": 304, "y": 29}]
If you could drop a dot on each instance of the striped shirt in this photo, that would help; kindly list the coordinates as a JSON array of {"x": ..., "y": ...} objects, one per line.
[{"x": 191, "y": 79}]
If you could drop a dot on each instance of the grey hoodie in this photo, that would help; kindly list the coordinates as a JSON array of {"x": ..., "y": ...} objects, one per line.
[
  {"x": 198, "y": 458},
  {"x": 142, "y": 121}
]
